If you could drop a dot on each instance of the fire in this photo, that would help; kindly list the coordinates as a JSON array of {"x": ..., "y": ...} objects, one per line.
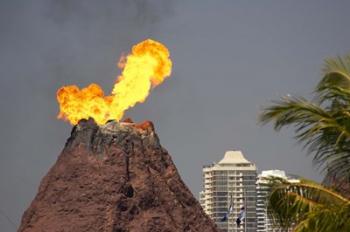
[{"x": 147, "y": 66}]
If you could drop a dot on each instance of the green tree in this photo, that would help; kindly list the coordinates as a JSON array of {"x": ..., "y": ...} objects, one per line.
[
  {"x": 323, "y": 126},
  {"x": 307, "y": 207}
]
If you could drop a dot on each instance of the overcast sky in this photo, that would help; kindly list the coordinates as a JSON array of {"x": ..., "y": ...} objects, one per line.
[{"x": 230, "y": 58}]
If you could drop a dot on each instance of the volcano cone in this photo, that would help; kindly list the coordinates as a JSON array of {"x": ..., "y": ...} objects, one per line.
[{"x": 116, "y": 177}]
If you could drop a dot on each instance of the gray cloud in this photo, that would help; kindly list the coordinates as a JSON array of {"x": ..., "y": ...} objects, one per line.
[{"x": 229, "y": 58}]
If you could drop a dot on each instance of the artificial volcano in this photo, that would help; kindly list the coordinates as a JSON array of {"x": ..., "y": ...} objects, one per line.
[{"x": 114, "y": 177}]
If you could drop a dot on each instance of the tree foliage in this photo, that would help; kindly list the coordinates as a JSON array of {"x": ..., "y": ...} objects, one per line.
[
  {"x": 323, "y": 126},
  {"x": 307, "y": 206}
]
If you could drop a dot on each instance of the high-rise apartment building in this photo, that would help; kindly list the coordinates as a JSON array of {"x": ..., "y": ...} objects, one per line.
[
  {"x": 231, "y": 181},
  {"x": 264, "y": 223}
]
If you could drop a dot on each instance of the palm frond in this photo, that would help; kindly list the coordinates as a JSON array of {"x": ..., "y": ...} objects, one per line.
[
  {"x": 322, "y": 131},
  {"x": 336, "y": 73},
  {"x": 326, "y": 219},
  {"x": 323, "y": 126},
  {"x": 303, "y": 204}
]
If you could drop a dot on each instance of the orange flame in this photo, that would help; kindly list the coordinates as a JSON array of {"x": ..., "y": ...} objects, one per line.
[{"x": 147, "y": 66}]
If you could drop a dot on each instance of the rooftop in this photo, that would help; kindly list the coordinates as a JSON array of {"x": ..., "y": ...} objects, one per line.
[
  {"x": 233, "y": 160},
  {"x": 234, "y": 157}
]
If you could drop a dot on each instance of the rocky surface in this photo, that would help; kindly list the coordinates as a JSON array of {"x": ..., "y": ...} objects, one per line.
[{"x": 117, "y": 178}]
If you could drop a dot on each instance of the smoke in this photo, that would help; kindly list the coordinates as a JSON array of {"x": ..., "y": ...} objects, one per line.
[
  {"x": 140, "y": 12},
  {"x": 44, "y": 45}
]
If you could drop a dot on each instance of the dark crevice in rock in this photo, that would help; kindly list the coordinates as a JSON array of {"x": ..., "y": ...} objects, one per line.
[{"x": 128, "y": 190}]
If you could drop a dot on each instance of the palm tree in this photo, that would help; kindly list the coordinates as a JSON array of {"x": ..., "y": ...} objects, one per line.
[
  {"x": 323, "y": 126},
  {"x": 307, "y": 207}
]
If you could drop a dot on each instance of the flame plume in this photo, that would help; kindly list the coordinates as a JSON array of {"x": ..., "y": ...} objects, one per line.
[{"x": 147, "y": 66}]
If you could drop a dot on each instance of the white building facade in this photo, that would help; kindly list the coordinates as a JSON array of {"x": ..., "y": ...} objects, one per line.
[
  {"x": 264, "y": 223},
  {"x": 233, "y": 177}
]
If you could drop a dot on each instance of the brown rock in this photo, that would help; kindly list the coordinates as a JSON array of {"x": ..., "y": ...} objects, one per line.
[
  {"x": 114, "y": 178},
  {"x": 128, "y": 120}
]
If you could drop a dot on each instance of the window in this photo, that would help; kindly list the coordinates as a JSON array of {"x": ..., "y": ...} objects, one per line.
[{"x": 221, "y": 193}]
